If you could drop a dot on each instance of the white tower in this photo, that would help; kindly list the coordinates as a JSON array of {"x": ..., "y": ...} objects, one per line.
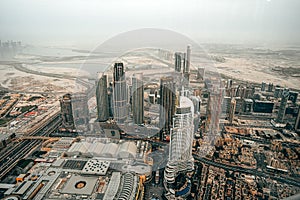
[{"x": 182, "y": 134}]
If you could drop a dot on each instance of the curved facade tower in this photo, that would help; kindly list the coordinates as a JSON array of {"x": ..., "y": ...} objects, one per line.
[{"x": 180, "y": 152}]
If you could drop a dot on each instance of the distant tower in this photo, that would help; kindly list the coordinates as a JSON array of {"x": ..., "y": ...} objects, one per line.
[
  {"x": 120, "y": 93},
  {"x": 270, "y": 87},
  {"x": 184, "y": 62},
  {"x": 167, "y": 104},
  {"x": 188, "y": 59},
  {"x": 226, "y": 105},
  {"x": 138, "y": 98},
  {"x": 182, "y": 134},
  {"x": 200, "y": 73},
  {"x": 297, "y": 124},
  {"x": 186, "y": 71},
  {"x": 293, "y": 96},
  {"x": 229, "y": 83},
  {"x": 67, "y": 112},
  {"x": 232, "y": 110},
  {"x": 263, "y": 86},
  {"x": 110, "y": 100},
  {"x": 80, "y": 111},
  {"x": 282, "y": 107},
  {"x": 277, "y": 92},
  {"x": 214, "y": 109},
  {"x": 178, "y": 61},
  {"x": 102, "y": 99},
  {"x": 197, "y": 106}
]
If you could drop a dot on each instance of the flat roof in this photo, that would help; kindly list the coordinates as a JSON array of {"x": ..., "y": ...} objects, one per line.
[
  {"x": 5, "y": 136},
  {"x": 23, "y": 187},
  {"x": 6, "y": 186},
  {"x": 72, "y": 186}
]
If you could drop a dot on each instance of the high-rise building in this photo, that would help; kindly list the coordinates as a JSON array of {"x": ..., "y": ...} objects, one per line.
[
  {"x": 297, "y": 124},
  {"x": 200, "y": 73},
  {"x": 239, "y": 104},
  {"x": 180, "y": 151},
  {"x": 263, "y": 86},
  {"x": 102, "y": 99},
  {"x": 270, "y": 87},
  {"x": 282, "y": 107},
  {"x": 186, "y": 69},
  {"x": 178, "y": 61},
  {"x": 184, "y": 62},
  {"x": 229, "y": 83},
  {"x": 110, "y": 100},
  {"x": 278, "y": 92},
  {"x": 120, "y": 93},
  {"x": 226, "y": 104},
  {"x": 188, "y": 59},
  {"x": 167, "y": 104},
  {"x": 247, "y": 106},
  {"x": 153, "y": 96},
  {"x": 67, "y": 112},
  {"x": 197, "y": 106},
  {"x": 214, "y": 108},
  {"x": 238, "y": 91},
  {"x": 232, "y": 110},
  {"x": 138, "y": 98},
  {"x": 293, "y": 96},
  {"x": 80, "y": 111}
]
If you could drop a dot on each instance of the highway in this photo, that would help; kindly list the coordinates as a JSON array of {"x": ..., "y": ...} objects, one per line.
[
  {"x": 265, "y": 141},
  {"x": 279, "y": 178},
  {"x": 14, "y": 152},
  {"x": 63, "y": 76}
]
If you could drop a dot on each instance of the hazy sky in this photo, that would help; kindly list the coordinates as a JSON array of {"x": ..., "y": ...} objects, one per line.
[{"x": 84, "y": 22}]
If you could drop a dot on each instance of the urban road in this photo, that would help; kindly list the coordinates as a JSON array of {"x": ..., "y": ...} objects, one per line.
[
  {"x": 14, "y": 152},
  {"x": 230, "y": 167},
  {"x": 247, "y": 171},
  {"x": 265, "y": 141}
]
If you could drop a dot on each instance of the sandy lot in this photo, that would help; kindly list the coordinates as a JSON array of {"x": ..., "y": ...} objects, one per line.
[{"x": 20, "y": 81}]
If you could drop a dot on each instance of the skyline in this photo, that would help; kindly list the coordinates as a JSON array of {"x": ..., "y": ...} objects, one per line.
[
  {"x": 89, "y": 23},
  {"x": 140, "y": 99}
]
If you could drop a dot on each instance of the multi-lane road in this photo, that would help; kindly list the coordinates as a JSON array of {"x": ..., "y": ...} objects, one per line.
[
  {"x": 10, "y": 156},
  {"x": 283, "y": 179}
]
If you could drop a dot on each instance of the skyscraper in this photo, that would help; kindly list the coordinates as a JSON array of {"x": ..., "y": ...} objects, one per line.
[
  {"x": 102, "y": 99},
  {"x": 277, "y": 92},
  {"x": 197, "y": 105},
  {"x": 263, "y": 86},
  {"x": 67, "y": 112},
  {"x": 229, "y": 83},
  {"x": 232, "y": 110},
  {"x": 182, "y": 134},
  {"x": 188, "y": 59},
  {"x": 214, "y": 109},
  {"x": 270, "y": 87},
  {"x": 282, "y": 107},
  {"x": 186, "y": 70},
  {"x": 110, "y": 100},
  {"x": 200, "y": 73},
  {"x": 178, "y": 61},
  {"x": 293, "y": 96},
  {"x": 297, "y": 124},
  {"x": 167, "y": 104},
  {"x": 120, "y": 93},
  {"x": 80, "y": 111},
  {"x": 138, "y": 98}
]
